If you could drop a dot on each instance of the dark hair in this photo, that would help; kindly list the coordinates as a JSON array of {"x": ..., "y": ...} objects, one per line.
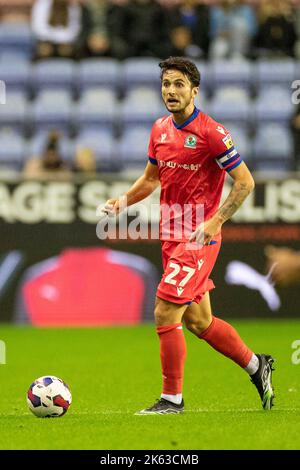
[
  {"x": 52, "y": 140},
  {"x": 186, "y": 66}
]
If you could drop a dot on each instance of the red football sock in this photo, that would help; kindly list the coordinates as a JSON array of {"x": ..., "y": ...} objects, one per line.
[
  {"x": 225, "y": 339},
  {"x": 172, "y": 355}
]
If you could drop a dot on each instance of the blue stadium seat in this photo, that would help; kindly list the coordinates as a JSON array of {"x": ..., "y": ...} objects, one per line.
[
  {"x": 140, "y": 72},
  {"x": 98, "y": 72},
  {"x": 16, "y": 37},
  {"x": 15, "y": 112},
  {"x": 12, "y": 150},
  {"x": 230, "y": 104},
  {"x": 281, "y": 71},
  {"x": 53, "y": 109},
  {"x": 103, "y": 146},
  {"x": 273, "y": 142},
  {"x": 97, "y": 106},
  {"x": 15, "y": 73},
  {"x": 274, "y": 104},
  {"x": 279, "y": 167},
  {"x": 142, "y": 106},
  {"x": 7, "y": 56},
  {"x": 54, "y": 73},
  {"x": 133, "y": 147},
  {"x": 231, "y": 72}
]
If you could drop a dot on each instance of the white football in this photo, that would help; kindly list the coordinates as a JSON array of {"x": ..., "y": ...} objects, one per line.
[{"x": 49, "y": 397}]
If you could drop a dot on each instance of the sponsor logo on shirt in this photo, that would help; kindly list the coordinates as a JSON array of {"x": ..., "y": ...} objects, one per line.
[
  {"x": 190, "y": 141},
  {"x": 163, "y": 137},
  {"x": 184, "y": 166},
  {"x": 228, "y": 141}
]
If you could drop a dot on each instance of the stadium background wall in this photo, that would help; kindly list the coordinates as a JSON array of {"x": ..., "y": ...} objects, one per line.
[{"x": 41, "y": 219}]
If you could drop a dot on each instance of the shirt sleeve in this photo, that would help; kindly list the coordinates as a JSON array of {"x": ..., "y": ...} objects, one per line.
[
  {"x": 222, "y": 148},
  {"x": 151, "y": 149}
]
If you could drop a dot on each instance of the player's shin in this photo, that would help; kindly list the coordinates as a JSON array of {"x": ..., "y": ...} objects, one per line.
[
  {"x": 172, "y": 354},
  {"x": 226, "y": 340}
]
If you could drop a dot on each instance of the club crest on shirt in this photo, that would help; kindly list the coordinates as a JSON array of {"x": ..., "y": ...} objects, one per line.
[{"x": 190, "y": 141}]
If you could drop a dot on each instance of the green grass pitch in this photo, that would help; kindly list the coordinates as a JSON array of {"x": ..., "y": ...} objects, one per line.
[{"x": 113, "y": 372}]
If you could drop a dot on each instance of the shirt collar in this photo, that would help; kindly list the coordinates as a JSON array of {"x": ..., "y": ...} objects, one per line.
[{"x": 188, "y": 121}]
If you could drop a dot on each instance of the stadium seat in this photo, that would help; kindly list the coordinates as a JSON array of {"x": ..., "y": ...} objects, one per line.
[
  {"x": 12, "y": 150},
  {"x": 14, "y": 56},
  {"x": 273, "y": 143},
  {"x": 279, "y": 167},
  {"x": 15, "y": 73},
  {"x": 231, "y": 104},
  {"x": 232, "y": 92},
  {"x": 98, "y": 72},
  {"x": 274, "y": 104},
  {"x": 53, "y": 108},
  {"x": 97, "y": 106},
  {"x": 142, "y": 106},
  {"x": 281, "y": 71},
  {"x": 16, "y": 37},
  {"x": 53, "y": 73},
  {"x": 103, "y": 146},
  {"x": 231, "y": 72},
  {"x": 133, "y": 147},
  {"x": 142, "y": 71},
  {"x": 14, "y": 112}
]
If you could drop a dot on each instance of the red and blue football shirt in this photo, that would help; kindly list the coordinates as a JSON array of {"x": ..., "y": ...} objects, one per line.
[{"x": 192, "y": 159}]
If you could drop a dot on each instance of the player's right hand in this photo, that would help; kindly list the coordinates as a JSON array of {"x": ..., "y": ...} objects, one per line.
[{"x": 114, "y": 207}]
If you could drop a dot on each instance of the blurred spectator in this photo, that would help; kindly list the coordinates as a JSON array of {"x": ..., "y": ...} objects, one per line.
[
  {"x": 85, "y": 161},
  {"x": 104, "y": 29},
  {"x": 181, "y": 43},
  {"x": 118, "y": 19},
  {"x": 232, "y": 27},
  {"x": 94, "y": 36},
  {"x": 50, "y": 164},
  {"x": 295, "y": 127},
  {"x": 285, "y": 265},
  {"x": 147, "y": 30},
  {"x": 56, "y": 25},
  {"x": 189, "y": 24},
  {"x": 277, "y": 31}
]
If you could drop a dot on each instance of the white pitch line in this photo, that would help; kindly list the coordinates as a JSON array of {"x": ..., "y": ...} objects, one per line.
[{"x": 128, "y": 412}]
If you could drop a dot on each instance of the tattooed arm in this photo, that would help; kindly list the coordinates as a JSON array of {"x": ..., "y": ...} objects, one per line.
[{"x": 242, "y": 187}]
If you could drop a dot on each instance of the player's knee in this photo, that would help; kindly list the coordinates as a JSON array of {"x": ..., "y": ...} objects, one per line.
[
  {"x": 163, "y": 313},
  {"x": 199, "y": 326}
]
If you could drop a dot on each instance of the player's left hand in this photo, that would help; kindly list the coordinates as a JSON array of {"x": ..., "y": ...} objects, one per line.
[{"x": 206, "y": 231}]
